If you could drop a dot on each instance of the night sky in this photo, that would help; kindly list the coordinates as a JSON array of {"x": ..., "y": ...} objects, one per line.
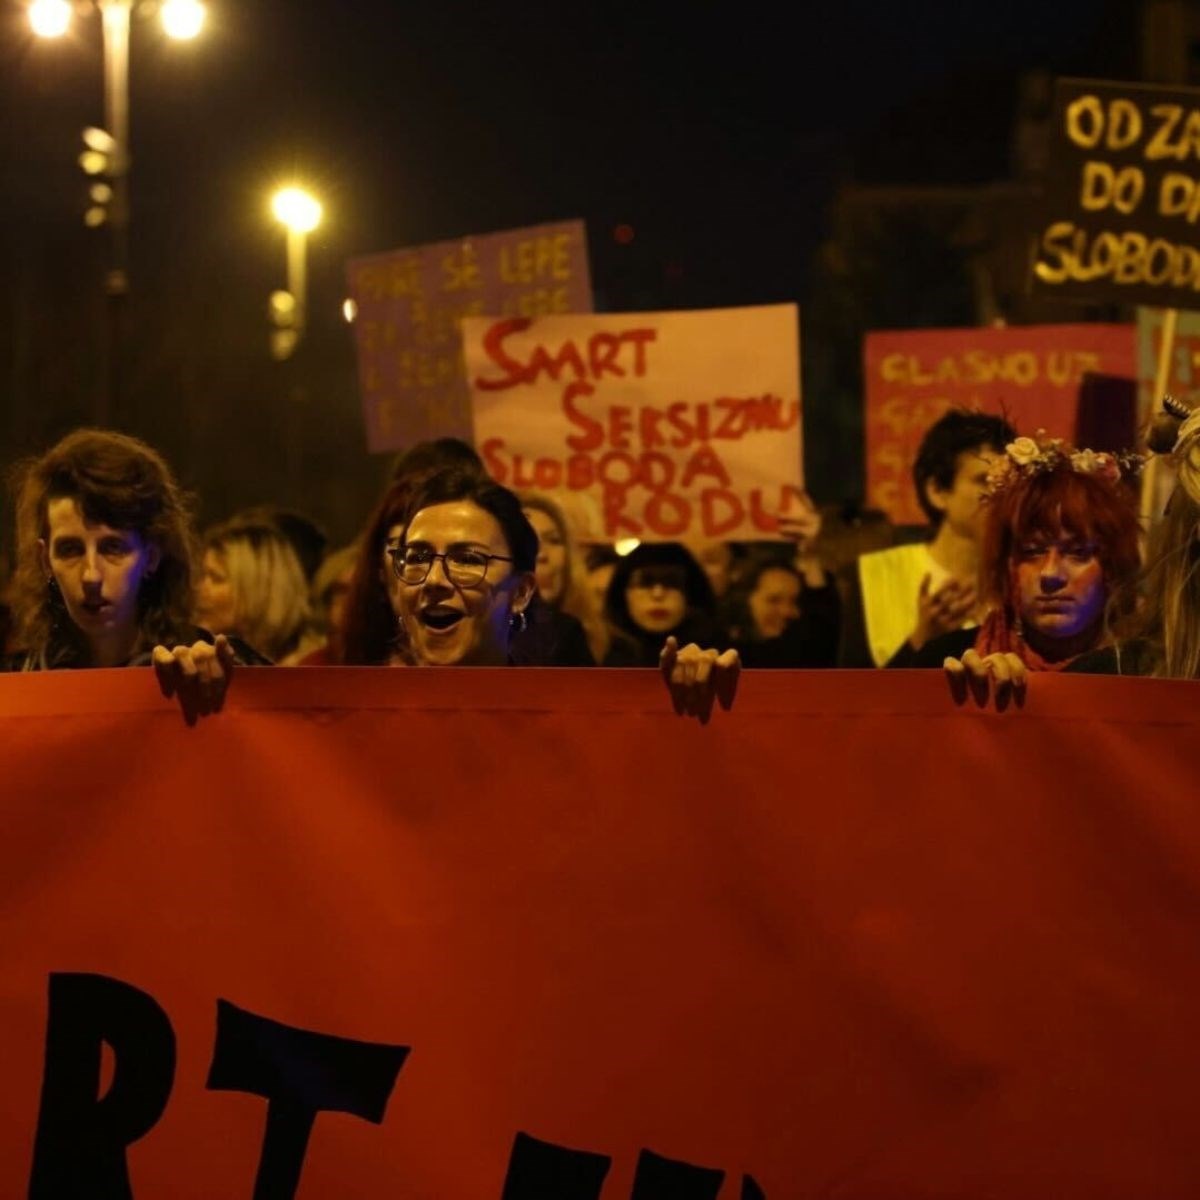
[{"x": 720, "y": 133}]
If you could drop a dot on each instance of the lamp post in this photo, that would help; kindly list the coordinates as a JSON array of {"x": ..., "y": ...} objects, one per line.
[
  {"x": 107, "y": 150},
  {"x": 299, "y": 213}
]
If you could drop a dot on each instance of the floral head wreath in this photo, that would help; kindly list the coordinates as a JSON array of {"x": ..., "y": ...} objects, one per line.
[{"x": 1027, "y": 457}]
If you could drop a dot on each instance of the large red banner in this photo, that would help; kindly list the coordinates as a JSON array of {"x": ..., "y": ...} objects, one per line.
[{"x": 489, "y": 934}]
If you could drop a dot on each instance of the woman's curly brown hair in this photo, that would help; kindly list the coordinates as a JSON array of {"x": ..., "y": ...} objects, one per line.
[{"x": 118, "y": 481}]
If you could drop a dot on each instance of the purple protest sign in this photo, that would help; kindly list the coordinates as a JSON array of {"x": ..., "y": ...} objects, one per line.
[{"x": 409, "y": 306}]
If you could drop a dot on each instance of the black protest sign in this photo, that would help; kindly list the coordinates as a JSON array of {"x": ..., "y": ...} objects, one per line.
[{"x": 1122, "y": 201}]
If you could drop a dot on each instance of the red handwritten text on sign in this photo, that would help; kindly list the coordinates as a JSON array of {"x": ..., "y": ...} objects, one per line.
[{"x": 673, "y": 424}]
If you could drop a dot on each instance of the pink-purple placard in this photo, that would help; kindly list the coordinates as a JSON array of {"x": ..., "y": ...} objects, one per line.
[{"x": 409, "y": 307}]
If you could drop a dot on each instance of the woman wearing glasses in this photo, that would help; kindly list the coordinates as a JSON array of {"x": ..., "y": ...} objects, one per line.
[
  {"x": 464, "y": 565},
  {"x": 459, "y": 560}
]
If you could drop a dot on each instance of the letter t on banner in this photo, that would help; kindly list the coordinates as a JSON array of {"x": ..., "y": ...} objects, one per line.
[{"x": 300, "y": 1074}]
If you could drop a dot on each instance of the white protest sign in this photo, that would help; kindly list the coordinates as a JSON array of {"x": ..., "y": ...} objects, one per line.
[{"x": 672, "y": 424}]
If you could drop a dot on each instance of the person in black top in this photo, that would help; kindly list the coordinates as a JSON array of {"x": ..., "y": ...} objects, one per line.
[
  {"x": 776, "y": 619},
  {"x": 656, "y": 592},
  {"x": 105, "y": 570},
  {"x": 464, "y": 562},
  {"x": 564, "y": 603},
  {"x": 368, "y": 633}
]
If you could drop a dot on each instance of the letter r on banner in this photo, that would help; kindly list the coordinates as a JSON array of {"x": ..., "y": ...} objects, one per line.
[
  {"x": 79, "y": 1148},
  {"x": 299, "y": 1074}
]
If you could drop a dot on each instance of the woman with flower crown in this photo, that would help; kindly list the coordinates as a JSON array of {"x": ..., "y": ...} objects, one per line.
[{"x": 1060, "y": 547}]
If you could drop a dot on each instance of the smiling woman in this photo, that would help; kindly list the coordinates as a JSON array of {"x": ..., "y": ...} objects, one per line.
[
  {"x": 458, "y": 566},
  {"x": 464, "y": 563}
]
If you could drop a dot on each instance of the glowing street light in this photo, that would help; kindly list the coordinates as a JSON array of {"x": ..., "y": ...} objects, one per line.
[
  {"x": 183, "y": 19},
  {"x": 296, "y": 209},
  {"x": 106, "y": 154},
  {"x": 299, "y": 213},
  {"x": 50, "y": 18}
]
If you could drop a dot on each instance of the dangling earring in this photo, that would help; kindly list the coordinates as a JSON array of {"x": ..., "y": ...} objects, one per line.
[{"x": 518, "y": 622}]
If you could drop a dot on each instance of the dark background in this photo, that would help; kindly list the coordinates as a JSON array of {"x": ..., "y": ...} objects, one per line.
[{"x": 874, "y": 163}]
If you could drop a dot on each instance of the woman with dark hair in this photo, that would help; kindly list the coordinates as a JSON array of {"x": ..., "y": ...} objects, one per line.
[
  {"x": 463, "y": 558},
  {"x": 657, "y": 591},
  {"x": 366, "y": 634},
  {"x": 104, "y": 568},
  {"x": 464, "y": 565},
  {"x": 776, "y": 618}
]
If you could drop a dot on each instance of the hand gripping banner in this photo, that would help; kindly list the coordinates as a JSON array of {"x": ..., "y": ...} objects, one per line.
[{"x": 505, "y": 935}]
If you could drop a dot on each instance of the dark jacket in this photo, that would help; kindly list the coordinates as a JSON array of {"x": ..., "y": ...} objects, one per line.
[
  {"x": 1131, "y": 658},
  {"x": 551, "y": 638},
  {"x": 66, "y": 656},
  {"x": 810, "y": 641},
  {"x": 936, "y": 651}
]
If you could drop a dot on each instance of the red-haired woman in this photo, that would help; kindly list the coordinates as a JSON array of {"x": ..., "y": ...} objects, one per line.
[{"x": 1060, "y": 543}]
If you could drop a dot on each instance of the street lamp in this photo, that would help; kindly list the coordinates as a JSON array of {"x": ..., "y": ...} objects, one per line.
[
  {"x": 107, "y": 152},
  {"x": 299, "y": 213},
  {"x": 183, "y": 19},
  {"x": 50, "y": 18}
]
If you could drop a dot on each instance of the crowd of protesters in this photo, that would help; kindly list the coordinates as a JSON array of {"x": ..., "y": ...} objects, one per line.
[{"x": 1033, "y": 562}]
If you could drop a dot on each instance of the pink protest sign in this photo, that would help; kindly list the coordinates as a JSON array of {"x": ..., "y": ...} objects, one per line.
[
  {"x": 665, "y": 424},
  {"x": 1032, "y": 374},
  {"x": 409, "y": 307}
]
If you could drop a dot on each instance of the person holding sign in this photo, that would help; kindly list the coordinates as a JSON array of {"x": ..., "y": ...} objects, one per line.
[
  {"x": 912, "y": 594},
  {"x": 367, "y": 631},
  {"x": 657, "y": 591},
  {"x": 105, "y": 570},
  {"x": 1060, "y": 552},
  {"x": 465, "y": 564}
]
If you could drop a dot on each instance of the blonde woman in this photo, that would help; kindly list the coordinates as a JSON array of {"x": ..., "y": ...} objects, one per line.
[
  {"x": 252, "y": 585},
  {"x": 562, "y": 580},
  {"x": 1162, "y": 637}
]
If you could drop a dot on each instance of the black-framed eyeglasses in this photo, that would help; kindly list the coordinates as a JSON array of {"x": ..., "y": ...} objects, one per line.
[{"x": 464, "y": 566}]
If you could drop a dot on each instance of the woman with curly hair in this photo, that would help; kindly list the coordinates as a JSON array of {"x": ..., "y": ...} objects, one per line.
[{"x": 104, "y": 568}]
